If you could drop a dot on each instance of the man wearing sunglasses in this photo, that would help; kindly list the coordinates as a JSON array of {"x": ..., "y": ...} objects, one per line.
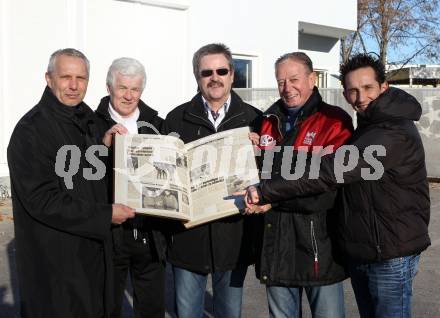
[{"x": 220, "y": 248}]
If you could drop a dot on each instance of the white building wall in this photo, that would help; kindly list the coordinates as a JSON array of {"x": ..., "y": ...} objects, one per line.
[
  {"x": 154, "y": 35},
  {"x": 337, "y": 13},
  {"x": 268, "y": 29},
  {"x": 162, "y": 35},
  {"x": 327, "y": 61},
  {"x": 257, "y": 28},
  {"x": 103, "y": 30},
  {"x": 28, "y": 34}
]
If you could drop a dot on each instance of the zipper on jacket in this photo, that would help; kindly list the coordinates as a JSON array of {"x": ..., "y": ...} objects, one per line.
[
  {"x": 293, "y": 132},
  {"x": 315, "y": 250},
  {"x": 135, "y": 233},
  {"x": 377, "y": 237},
  {"x": 203, "y": 119},
  {"x": 278, "y": 124},
  {"x": 229, "y": 119},
  {"x": 222, "y": 123},
  {"x": 211, "y": 244}
]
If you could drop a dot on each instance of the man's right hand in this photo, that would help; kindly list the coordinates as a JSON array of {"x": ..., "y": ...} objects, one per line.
[
  {"x": 115, "y": 129},
  {"x": 254, "y": 138},
  {"x": 120, "y": 213}
]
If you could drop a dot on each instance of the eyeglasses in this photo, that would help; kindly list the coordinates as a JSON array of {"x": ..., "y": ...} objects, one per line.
[{"x": 219, "y": 71}]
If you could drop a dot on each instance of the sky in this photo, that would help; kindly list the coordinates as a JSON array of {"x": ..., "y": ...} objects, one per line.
[{"x": 403, "y": 50}]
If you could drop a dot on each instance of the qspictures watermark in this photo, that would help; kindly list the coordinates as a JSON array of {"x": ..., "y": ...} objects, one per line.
[{"x": 345, "y": 159}]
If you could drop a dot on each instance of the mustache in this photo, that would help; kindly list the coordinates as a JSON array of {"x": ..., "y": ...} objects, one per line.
[{"x": 211, "y": 83}]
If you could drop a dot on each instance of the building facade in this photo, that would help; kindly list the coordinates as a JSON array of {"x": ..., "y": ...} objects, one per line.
[{"x": 163, "y": 35}]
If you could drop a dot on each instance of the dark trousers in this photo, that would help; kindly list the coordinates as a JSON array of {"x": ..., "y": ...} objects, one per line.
[{"x": 147, "y": 277}]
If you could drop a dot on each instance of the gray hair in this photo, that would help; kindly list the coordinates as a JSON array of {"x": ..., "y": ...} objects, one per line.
[
  {"x": 67, "y": 52},
  {"x": 213, "y": 48},
  {"x": 126, "y": 66},
  {"x": 300, "y": 57}
]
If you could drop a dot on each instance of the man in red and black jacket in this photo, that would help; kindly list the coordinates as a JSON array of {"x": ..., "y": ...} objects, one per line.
[{"x": 297, "y": 250}]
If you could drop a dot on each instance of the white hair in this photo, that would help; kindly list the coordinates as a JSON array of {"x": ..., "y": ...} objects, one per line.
[{"x": 126, "y": 66}]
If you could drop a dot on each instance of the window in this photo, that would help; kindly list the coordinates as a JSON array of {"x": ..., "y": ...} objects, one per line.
[
  {"x": 321, "y": 79},
  {"x": 243, "y": 73}
]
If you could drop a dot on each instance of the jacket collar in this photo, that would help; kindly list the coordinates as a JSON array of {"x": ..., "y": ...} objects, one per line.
[
  {"x": 80, "y": 115},
  {"x": 195, "y": 110},
  {"x": 393, "y": 103},
  {"x": 146, "y": 113},
  {"x": 310, "y": 107}
]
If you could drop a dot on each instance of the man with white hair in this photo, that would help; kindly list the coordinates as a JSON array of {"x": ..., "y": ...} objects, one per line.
[{"x": 139, "y": 245}]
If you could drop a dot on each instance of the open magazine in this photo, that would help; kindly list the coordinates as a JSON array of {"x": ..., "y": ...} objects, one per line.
[{"x": 161, "y": 176}]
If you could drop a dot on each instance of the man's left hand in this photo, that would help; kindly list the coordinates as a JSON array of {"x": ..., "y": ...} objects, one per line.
[{"x": 256, "y": 209}]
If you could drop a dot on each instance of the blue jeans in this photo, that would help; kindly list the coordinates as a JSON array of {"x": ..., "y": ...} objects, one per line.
[
  {"x": 384, "y": 289},
  {"x": 325, "y": 301},
  {"x": 189, "y": 288}
]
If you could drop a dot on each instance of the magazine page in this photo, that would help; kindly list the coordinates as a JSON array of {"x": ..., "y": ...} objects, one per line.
[
  {"x": 151, "y": 175},
  {"x": 220, "y": 165}
]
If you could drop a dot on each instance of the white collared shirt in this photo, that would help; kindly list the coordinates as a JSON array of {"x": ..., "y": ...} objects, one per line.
[
  {"x": 129, "y": 122},
  {"x": 221, "y": 112}
]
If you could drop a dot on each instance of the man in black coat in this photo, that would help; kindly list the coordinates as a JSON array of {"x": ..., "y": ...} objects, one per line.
[
  {"x": 222, "y": 247},
  {"x": 61, "y": 218},
  {"x": 139, "y": 244},
  {"x": 384, "y": 195}
]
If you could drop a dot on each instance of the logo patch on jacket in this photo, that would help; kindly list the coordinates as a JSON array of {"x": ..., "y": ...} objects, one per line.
[
  {"x": 270, "y": 134},
  {"x": 308, "y": 139},
  {"x": 267, "y": 141}
]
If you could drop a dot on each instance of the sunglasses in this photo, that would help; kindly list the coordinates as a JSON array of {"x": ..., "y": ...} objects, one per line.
[{"x": 219, "y": 71}]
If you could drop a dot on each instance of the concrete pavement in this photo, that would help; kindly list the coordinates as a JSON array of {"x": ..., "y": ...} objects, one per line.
[{"x": 426, "y": 296}]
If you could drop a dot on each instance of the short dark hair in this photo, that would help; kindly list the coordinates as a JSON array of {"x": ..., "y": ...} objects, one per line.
[
  {"x": 363, "y": 60},
  {"x": 301, "y": 57},
  {"x": 213, "y": 48}
]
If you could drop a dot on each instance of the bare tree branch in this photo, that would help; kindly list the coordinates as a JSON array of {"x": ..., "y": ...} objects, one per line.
[{"x": 411, "y": 27}]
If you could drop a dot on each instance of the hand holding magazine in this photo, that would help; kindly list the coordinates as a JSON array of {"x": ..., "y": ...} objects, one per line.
[{"x": 161, "y": 176}]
